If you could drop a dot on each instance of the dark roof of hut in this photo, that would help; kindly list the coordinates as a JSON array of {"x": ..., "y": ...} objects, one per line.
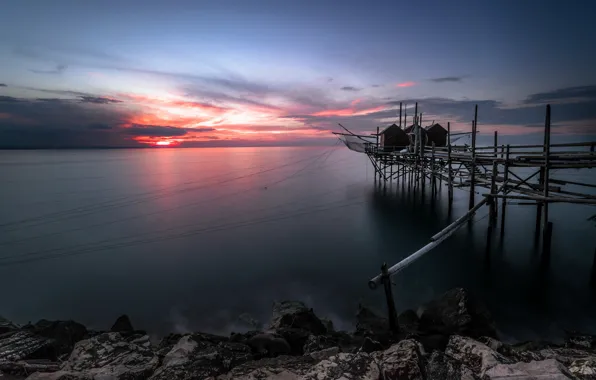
[
  {"x": 409, "y": 129},
  {"x": 386, "y": 129},
  {"x": 433, "y": 126}
]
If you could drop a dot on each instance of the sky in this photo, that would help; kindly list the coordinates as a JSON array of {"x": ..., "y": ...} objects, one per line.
[{"x": 237, "y": 73}]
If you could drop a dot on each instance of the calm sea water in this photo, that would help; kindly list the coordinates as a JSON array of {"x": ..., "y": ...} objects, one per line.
[{"x": 190, "y": 239}]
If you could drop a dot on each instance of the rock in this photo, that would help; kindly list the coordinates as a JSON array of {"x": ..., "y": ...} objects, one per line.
[
  {"x": 107, "y": 356},
  {"x": 345, "y": 366},
  {"x": 535, "y": 370},
  {"x": 63, "y": 333},
  {"x": 295, "y": 315},
  {"x": 403, "y": 361},
  {"x": 21, "y": 345},
  {"x": 370, "y": 323},
  {"x": 166, "y": 343},
  {"x": 443, "y": 367},
  {"x": 583, "y": 368},
  {"x": 564, "y": 355},
  {"x": 408, "y": 321},
  {"x": 6, "y": 326},
  {"x": 318, "y": 342},
  {"x": 370, "y": 345},
  {"x": 269, "y": 344},
  {"x": 279, "y": 368},
  {"x": 328, "y": 323},
  {"x": 199, "y": 356},
  {"x": 580, "y": 341},
  {"x": 456, "y": 313},
  {"x": 296, "y": 338},
  {"x": 475, "y": 355},
  {"x": 24, "y": 367},
  {"x": 432, "y": 342},
  {"x": 122, "y": 325},
  {"x": 324, "y": 354}
]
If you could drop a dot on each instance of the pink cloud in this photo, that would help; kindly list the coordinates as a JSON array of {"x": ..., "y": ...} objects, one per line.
[{"x": 406, "y": 84}]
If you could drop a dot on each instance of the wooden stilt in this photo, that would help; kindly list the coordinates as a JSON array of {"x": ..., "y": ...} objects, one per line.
[
  {"x": 504, "y": 200},
  {"x": 473, "y": 166},
  {"x": 386, "y": 280},
  {"x": 449, "y": 176},
  {"x": 546, "y": 162},
  {"x": 493, "y": 189},
  {"x": 546, "y": 245}
]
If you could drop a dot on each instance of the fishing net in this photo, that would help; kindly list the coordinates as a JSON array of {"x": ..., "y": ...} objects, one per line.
[{"x": 357, "y": 143}]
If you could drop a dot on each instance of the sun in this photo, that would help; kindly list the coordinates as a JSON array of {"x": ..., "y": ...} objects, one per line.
[{"x": 163, "y": 143}]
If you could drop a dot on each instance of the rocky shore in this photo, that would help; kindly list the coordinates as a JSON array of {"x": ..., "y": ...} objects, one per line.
[{"x": 452, "y": 337}]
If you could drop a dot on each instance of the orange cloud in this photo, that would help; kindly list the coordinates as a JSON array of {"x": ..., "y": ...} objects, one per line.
[
  {"x": 355, "y": 101},
  {"x": 406, "y": 84}
]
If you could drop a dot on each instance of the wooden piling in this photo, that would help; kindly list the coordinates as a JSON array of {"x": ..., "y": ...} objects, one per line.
[
  {"x": 386, "y": 280},
  {"x": 546, "y": 244},
  {"x": 400, "y": 115},
  {"x": 504, "y": 200},
  {"x": 473, "y": 165},
  {"x": 546, "y": 162},
  {"x": 449, "y": 176},
  {"x": 492, "y": 200}
]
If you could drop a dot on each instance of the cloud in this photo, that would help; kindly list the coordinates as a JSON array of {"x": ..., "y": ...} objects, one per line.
[
  {"x": 98, "y": 100},
  {"x": 375, "y": 85},
  {"x": 154, "y": 131},
  {"x": 99, "y": 126},
  {"x": 3, "y": 85},
  {"x": 8, "y": 99},
  {"x": 574, "y": 94},
  {"x": 58, "y": 70},
  {"x": 447, "y": 79},
  {"x": 349, "y": 88},
  {"x": 406, "y": 84}
]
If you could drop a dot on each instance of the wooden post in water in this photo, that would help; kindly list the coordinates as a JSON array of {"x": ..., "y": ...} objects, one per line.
[
  {"x": 547, "y": 226},
  {"x": 496, "y": 200},
  {"x": 422, "y": 169},
  {"x": 539, "y": 209},
  {"x": 450, "y": 182},
  {"x": 376, "y": 156},
  {"x": 504, "y": 200},
  {"x": 546, "y": 244},
  {"x": 432, "y": 167},
  {"x": 386, "y": 280},
  {"x": 492, "y": 200},
  {"x": 400, "y": 114},
  {"x": 473, "y": 166}
]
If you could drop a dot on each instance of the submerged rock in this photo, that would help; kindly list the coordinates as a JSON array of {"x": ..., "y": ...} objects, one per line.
[
  {"x": 295, "y": 315},
  {"x": 456, "y": 313}
]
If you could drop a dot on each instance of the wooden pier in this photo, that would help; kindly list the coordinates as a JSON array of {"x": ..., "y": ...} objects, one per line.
[{"x": 492, "y": 172}]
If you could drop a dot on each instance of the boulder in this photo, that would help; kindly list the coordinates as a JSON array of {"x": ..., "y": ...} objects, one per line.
[
  {"x": 324, "y": 354},
  {"x": 473, "y": 354},
  {"x": 534, "y": 370},
  {"x": 580, "y": 341},
  {"x": 369, "y": 322},
  {"x": 345, "y": 366},
  {"x": 403, "y": 360},
  {"x": 440, "y": 366},
  {"x": 122, "y": 325},
  {"x": 20, "y": 345},
  {"x": 583, "y": 368},
  {"x": 296, "y": 338},
  {"x": 295, "y": 315},
  {"x": 64, "y": 334},
  {"x": 370, "y": 345},
  {"x": 107, "y": 356},
  {"x": 318, "y": 342},
  {"x": 279, "y": 368},
  {"x": 269, "y": 345},
  {"x": 6, "y": 326},
  {"x": 200, "y": 356},
  {"x": 456, "y": 313}
]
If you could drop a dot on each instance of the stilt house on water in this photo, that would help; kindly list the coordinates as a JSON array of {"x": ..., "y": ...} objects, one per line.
[
  {"x": 393, "y": 138},
  {"x": 436, "y": 134}
]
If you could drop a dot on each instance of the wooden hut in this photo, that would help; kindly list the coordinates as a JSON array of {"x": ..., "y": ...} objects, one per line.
[
  {"x": 393, "y": 138},
  {"x": 436, "y": 134}
]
